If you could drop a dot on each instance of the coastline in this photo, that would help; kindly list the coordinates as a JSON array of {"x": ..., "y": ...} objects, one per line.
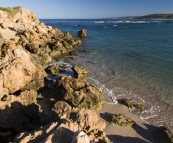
[{"x": 45, "y": 102}]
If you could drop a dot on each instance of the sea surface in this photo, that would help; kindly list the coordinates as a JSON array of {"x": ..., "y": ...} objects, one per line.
[{"x": 129, "y": 59}]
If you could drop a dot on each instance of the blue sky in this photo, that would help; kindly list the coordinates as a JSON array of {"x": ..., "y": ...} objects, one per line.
[{"x": 63, "y": 9}]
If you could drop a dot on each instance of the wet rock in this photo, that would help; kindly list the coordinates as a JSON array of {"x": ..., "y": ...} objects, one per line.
[
  {"x": 121, "y": 120},
  {"x": 78, "y": 94},
  {"x": 62, "y": 109},
  {"x": 163, "y": 135},
  {"x": 80, "y": 73},
  {"x": 82, "y": 33},
  {"x": 131, "y": 105},
  {"x": 54, "y": 70}
]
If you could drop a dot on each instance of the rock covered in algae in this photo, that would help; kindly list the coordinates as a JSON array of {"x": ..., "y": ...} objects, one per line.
[
  {"x": 163, "y": 135},
  {"x": 129, "y": 104},
  {"x": 121, "y": 120},
  {"x": 80, "y": 73},
  {"x": 78, "y": 94}
]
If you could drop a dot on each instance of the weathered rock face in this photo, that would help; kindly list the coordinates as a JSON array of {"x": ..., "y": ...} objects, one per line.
[
  {"x": 18, "y": 70},
  {"x": 62, "y": 109},
  {"x": 80, "y": 73},
  {"x": 92, "y": 126},
  {"x": 69, "y": 131},
  {"x": 121, "y": 120},
  {"x": 82, "y": 33},
  {"x": 163, "y": 135},
  {"x": 78, "y": 94}
]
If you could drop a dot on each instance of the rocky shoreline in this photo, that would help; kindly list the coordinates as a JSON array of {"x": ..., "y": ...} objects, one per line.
[{"x": 34, "y": 108}]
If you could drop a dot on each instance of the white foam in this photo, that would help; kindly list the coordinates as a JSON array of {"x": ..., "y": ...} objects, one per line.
[
  {"x": 108, "y": 93},
  {"x": 99, "y": 22}
]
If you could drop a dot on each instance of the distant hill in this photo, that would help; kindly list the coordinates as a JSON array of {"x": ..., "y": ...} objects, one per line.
[{"x": 157, "y": 16}]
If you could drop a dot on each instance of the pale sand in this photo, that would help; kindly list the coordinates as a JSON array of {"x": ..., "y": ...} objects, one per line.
[{"x": 140, "y": 133}]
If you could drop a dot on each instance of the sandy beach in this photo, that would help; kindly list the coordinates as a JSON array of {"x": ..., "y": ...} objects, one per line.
[{"x": 140, "y": 133}]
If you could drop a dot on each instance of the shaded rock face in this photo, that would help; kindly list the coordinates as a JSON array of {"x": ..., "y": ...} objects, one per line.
[
  {"x": 82, "y": 33},
  {"x": 121, "y": 120},
  {"x": 85, "y": 128},
  {"x": 78, "y": 94},
  {"x": 163, "y": 135},
  {"x": 62, "y": 109},
  {"x": 80, "y": 73}
]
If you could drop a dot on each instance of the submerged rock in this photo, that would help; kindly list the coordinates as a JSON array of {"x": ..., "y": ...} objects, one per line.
[
  {"x": 78, "y": 94},
  {"x": 80, "y": 73},
  {"x": 121, "y": 120},
  {"x": 163, "y": 135}
]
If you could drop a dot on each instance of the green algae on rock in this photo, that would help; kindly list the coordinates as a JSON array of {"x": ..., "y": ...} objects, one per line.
[
  {"x": 78, "y": 94},
  {"x": 121, "y": 120},
  {"x": 129, "y": 104}
]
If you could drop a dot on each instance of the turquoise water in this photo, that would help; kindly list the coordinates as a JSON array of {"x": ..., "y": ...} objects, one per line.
[{"x": 133, "y": 59}]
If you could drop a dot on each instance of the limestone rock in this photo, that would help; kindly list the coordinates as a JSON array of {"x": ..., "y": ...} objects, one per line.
[
  {"x": 82, "y": 33},
  {"x": 78, "y": 94},
  {"x": 80, "y": 137},
  {"x": 3, "y": 26},
  {"x": 163, "y": 135},
  {"x": 17, "y": 70},
  {"x": 89, "y": 123},
  {"x": 121, "y": 120},
  {"x": 80, "y": 73},
  {"x": 62, "y": 109}
]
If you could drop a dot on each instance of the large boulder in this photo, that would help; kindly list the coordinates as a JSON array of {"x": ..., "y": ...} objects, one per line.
[
  {"x": 18, "y": 71},
  {"x": 78, "y": 94}
]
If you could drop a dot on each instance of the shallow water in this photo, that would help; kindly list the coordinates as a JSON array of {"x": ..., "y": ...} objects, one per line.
[{"x": 133, "y": 59}]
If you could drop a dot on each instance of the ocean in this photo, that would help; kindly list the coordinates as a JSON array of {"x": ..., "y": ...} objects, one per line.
[{"x": 130, "y": 59}]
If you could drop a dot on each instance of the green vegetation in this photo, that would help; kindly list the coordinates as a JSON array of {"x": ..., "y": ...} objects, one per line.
[
  {"x": 157, "y": 16},
  {"x": 11, "y": 11}
]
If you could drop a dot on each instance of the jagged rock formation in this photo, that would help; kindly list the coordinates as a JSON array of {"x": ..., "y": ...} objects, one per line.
[
  {"x": 79, "y": 94},
  {"x": 80, "y": 73},
  {"x": 86, "y": 121}
]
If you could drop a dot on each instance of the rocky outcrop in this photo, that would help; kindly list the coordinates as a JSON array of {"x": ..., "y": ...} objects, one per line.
[
  {"x": 163, "y": 135},
  {"x": 80, "y": 73},
  {"x": 121, "y": 120},
  {"x": 69, "y": 131},
  {"x": 82, "y": 33},
  {"x": 78, "y": 94}
]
